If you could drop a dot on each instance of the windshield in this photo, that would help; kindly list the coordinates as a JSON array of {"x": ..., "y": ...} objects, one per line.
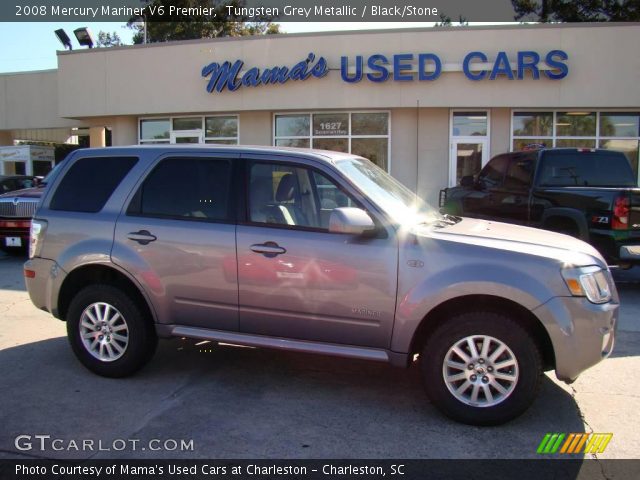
[{"x": 395, "y": 199}]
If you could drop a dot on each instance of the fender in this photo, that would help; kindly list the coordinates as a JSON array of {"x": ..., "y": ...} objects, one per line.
[
  {"x": 415, "y": 303},
  {"x": 569, "y": 213},
  {"x": 89, "y": 253}
]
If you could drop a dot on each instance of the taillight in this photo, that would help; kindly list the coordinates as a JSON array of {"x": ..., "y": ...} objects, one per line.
[
  {"x": 620, "y": 220},
  {"x": 36, "y": 235}
]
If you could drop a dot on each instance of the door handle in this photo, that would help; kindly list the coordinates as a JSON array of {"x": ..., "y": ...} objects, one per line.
[
  {"x": 143, "y": 237},
  {"x": 268, "y": 249}
]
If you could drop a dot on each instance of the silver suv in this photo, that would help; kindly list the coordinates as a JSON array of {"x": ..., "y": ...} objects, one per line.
[{"x": 317, "y": 252}]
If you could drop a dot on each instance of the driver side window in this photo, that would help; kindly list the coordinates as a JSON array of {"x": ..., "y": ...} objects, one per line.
[{"x": 293, "y": 196}]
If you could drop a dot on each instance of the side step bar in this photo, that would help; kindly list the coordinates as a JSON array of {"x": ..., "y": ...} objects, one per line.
[{"x": 283, "y": 344}]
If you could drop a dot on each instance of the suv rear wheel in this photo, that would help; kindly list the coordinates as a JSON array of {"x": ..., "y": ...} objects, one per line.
[
  {"x": 108, "y": 331},
  {"x": 481, "y": 368}
]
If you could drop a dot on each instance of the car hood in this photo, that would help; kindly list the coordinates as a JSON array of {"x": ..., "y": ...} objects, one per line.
[
  {"x": 515, "y": 238},
  {"x": 25, "y": 193}
]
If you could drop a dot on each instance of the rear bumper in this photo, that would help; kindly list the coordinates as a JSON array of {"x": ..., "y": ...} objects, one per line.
[
  {"x": 630, "y": 253},
  {"x": 44, "y": 285},
  {"x": 617, "y": 245},
  {"x": 582, "y": 333}
]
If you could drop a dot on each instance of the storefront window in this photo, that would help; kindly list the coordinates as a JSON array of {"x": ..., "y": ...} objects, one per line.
[
  {"x": 361, "y": 133},
  {"x": 294, "y": 142},
  {"x": 533, "y": 124},
  {"x": 577, "y": 129},
  {"x": 221, "y": 127},
  {"x": 375, "y": 149},
  {"x": 370, "y": 124},
  {"x": 469, "y": 124},
  {"x": 331, "y": 124},
  {"x": 155, "y": 130},
  {"x": 292, "y": 126},
  {"x": 191, "y": 123},
  {"x": 575, "y": 124},
  {"x": 217, "y": 129},
  {"x": 335, "y": 144},
  {"x": 619, "y": 124},
  {"x": 575, "y": 143}
]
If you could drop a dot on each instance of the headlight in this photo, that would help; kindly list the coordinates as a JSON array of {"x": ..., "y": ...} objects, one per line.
[{"x": 591, "y": 282}]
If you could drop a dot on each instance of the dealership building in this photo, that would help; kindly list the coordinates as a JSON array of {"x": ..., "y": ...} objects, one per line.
[{"x": 429, "y": 105}]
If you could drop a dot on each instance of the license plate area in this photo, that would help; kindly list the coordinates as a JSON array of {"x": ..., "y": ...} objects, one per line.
[{"x": 13, "y": 242}]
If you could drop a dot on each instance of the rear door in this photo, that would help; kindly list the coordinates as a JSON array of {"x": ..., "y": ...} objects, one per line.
[
  {"x": 482, "y": 202},
  {"x": 177, "y": 237},
  {"x": 298, "y": 280},
  {"x": 511, "y": 199}
]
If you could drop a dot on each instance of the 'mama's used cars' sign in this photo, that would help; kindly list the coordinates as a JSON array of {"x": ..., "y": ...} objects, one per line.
[{"x": 399, "y": 67}]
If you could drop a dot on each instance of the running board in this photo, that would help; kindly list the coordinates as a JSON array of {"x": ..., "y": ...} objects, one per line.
[{"x": 282, "y": 343}]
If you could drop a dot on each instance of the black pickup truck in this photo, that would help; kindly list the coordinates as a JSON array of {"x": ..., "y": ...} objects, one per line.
[{"x": 591, "y": 194}]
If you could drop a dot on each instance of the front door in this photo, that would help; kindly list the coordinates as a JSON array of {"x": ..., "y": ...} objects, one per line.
[
  {"x": 187, "y": 136},
  {"x": 468, "y": 156},
  {"x": 178, "y": 237},
  {"x": 296, "y": 279}
]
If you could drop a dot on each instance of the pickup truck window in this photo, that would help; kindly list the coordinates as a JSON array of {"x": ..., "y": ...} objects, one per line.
[
  {"x": 520, "y": 172},
  {"x": 585, "y": 169},
  {"x": 492, "y": 175}
]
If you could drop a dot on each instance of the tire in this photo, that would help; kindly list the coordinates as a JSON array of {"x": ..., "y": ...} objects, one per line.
[
  {"x": 128, "y": 341},
  {"x": 518, "y": 383}
]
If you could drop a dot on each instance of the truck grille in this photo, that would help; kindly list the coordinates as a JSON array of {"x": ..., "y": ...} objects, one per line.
[{"x": 22, "y": 209}]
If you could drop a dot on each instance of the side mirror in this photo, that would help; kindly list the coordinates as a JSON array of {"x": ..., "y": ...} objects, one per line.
[
  {"x": 467, "y": 181},
  {"x": 353, "y": 221}
]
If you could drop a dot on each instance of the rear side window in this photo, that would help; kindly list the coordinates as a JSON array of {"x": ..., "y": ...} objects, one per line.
[
  {"x": 186, "y": 189},
  {"x": 89, "y": 183},
  {"x": 586, "y": 169}
]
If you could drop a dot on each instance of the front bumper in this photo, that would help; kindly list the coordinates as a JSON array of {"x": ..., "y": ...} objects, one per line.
[{"x": 582, "y": 333}]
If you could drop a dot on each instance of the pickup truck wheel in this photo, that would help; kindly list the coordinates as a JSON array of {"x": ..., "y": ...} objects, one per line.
[
  {"x": 108, "y": 331},
  {"x": 481, "y": 368}
]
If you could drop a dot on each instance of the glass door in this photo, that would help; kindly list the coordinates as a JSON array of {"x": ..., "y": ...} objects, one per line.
[
  {"x": 187, "y": 136},
  {"x": 468, "y": 156}
]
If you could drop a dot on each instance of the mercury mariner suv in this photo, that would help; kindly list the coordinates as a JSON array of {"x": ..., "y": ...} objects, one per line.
[{"x": 317, "y": 252}]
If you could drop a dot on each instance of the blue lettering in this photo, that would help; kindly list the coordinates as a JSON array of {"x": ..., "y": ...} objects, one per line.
[
  {"x": 320, "y": 69},
  {"x": 382, "y": 71},
  {"x": 222, "y": 76},
  {"x": 562, "y": 69},
  {"x": 466, "y": 64},
  {"x": 275, "y": 75},
  {"x": 528, "y": 61},
  {"x": 251, "y": 78},
  {"x": 399, "y": 67},
  {"x": 423, "y": 58},
  {"x": 501, "y": 67},
  {"x": 344, "y": 69}
]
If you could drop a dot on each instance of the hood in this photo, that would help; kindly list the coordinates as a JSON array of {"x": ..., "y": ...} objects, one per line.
[
  {"x": 25, "y": 193},
  {"x": 515, "y": 238}
]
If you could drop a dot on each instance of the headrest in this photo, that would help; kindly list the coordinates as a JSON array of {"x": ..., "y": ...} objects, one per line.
[{"x": 286, "y": 188}]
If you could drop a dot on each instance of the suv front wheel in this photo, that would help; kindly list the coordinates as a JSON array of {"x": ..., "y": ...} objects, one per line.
[
  {"x": 108, "y": 331},
  {"x": 481, "y": 368}
]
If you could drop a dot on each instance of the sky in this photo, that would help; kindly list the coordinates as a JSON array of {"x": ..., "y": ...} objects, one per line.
[{"x": 33, "y": 46}]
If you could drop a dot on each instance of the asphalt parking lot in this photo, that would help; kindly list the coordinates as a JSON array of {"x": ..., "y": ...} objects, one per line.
[{"x": 237, "y": 402}]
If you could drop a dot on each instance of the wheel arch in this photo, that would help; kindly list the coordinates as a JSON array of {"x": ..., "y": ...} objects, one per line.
[
  {"x": 86, "y": 275},
  {"x": 489, "y": 303},
  {"x": 555, "y": 216}
]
